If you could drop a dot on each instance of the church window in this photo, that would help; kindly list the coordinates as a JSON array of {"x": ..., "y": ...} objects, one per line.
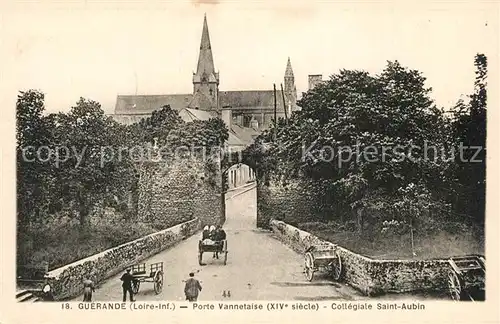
[{"x": 211, "y": 91}]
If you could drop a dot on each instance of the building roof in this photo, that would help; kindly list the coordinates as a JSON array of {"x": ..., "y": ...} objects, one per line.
[
  {"x": 189, "y": 114},
  {"x": 202, "y": 100},
  {"x": 245, "y": 134},
  {"x": 141, "y": 104},
  {"x": 251, "y": 99},
  {"x": 238, "y": 136}
]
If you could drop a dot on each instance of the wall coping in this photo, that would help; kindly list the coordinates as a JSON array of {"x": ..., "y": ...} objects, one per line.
[
  {"x": 304, "y": 233},
  {"x": 54, "y": 274}
]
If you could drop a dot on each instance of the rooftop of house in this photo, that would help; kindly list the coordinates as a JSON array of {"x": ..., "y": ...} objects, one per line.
[{"x": 238, "y": 135}]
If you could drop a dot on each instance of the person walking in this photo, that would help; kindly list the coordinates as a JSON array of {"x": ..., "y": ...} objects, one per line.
[
  {"x": 220, "y": 236},
  {"x": 88, "y": 289},
  {"x": 192, "y": 288},
  {"x": 127, "y": 279}
]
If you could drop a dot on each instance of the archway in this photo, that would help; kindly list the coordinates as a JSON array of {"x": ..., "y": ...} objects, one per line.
[
  {"x": 240, "y": 201},
  {"x": 239, "y": 175}
]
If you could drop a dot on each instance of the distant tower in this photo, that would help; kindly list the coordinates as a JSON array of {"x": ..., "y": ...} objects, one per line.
[
  {"x": 314, "y": 80},
  {"x": 290, "y": 89},
  {"x": 205, "y": 80}
]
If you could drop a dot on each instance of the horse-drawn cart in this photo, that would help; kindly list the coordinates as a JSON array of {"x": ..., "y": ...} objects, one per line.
[
  {"x": 466, "y": 278},
  {"x": 140, "y": 275},
  {"x": 212, "y": 246},
  {"x": 322, "y": 257}
]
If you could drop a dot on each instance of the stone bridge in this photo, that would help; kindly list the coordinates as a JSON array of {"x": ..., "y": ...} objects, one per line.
[{"x": 259, "y": 266}]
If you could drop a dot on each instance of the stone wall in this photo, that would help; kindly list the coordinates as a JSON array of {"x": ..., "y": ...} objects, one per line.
[
  {"x": 67, "y": 281},
  {"x": 373, "y": 277},
  {"x": 172, "y": 191},
  {"x": 291, "y": 204}
]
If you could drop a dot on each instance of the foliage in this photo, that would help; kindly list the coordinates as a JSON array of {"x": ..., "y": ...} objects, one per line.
[
  {"x": 85, "y": 176},
  {"x": 468, "y": 175},
  {"x": 158, "y": 125},
  {"x": 88, "y": 158},
  {"x": 167, "y": 127},
  {"x": 82, "y": 161},
  {"x": 31, "y": 173},
  {"x": 376, "y": 146}
]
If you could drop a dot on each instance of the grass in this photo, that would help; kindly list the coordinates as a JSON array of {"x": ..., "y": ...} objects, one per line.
[
  {"x": 67, "y": 244},
  {"x": 436, "y": 245}
]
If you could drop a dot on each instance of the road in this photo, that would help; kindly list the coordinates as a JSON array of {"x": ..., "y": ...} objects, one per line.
[{"x": 259, "y": 267}]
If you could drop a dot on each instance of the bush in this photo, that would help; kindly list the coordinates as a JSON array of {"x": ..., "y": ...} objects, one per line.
[
  {"x": 394, "y": 244},
  {"x": 67, "y": 244},
  {"x": 318, "y": 226}
]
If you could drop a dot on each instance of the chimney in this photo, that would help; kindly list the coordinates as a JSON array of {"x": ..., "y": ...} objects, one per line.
[
  {"x": 314, "y": 79},
  {"x": 227, "y": 116}
]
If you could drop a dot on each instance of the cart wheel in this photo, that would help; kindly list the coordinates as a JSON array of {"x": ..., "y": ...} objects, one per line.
[
  {"x": 135, "y": 286},
  {"x": 158, "y": 285},
  {"x": 309, "y": 266},
  {"x": 454, "y": 286},
  {"x": 336, "y": 267},
  {"x": 200, "y": 257}
]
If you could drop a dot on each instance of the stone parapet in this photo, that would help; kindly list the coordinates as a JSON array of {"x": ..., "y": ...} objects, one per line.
[
  {"x": 373, "y": 277},
  {"x": 67, "y": 281}
]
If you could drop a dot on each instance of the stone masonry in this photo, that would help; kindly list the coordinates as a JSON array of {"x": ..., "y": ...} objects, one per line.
[
  {"x": 172, "y": 191},
  {"x": 291, "y": 204},
  {"x": 66, "y": 282},
  {"x": 373, "y": 277}
]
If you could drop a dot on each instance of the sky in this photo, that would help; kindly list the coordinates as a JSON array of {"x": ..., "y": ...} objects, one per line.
[{"x": 97, "y": 50}]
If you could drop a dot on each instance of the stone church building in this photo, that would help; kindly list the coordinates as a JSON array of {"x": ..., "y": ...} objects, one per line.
[{"x": 245, "y": 112}]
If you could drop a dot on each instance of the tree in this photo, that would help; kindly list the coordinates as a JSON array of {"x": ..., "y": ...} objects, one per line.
[
  {"x": 158, "y": 125},
  {"x": 88, "y": 173},
  {"x": 469, "y": 130},
  {"x": 32, "y": 132},
  {"x": 343, "y": 142}
]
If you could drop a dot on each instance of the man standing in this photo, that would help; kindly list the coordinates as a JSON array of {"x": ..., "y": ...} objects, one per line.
[
  {"x": 88, "y": 289},
  {"x": 127, "y": 279},
  {"x": 220, "y": 235},
  {"x": 192, "y": 288}
]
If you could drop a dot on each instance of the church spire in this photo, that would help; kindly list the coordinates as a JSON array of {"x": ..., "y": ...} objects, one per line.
[
  {"x": 289, "y": 71},
  {"x": 205, "y": 80},
  {"x": 290, "y": 89},
  {"x": 205, "y": 60}
]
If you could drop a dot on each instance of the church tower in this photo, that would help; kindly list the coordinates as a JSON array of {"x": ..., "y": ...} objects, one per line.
[
  {"x": 205, "y": 80},
  {"x": 290, "y": 89}
]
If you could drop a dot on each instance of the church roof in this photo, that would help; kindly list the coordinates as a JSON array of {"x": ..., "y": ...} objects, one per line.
[
  {"x": 131, "y": 104},
  {"x": 201, "y": 100},
  {"x": 251, "y": 99},
  {"x": 140, "y": 104}
]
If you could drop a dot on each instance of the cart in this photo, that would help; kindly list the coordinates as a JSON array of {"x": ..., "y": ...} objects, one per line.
[
  {"x": 322, "y": 257},
  {"x": 217, "y": 246},
  {"x": 140, "y": 275},
  {"x": 466, "y": 278}
]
